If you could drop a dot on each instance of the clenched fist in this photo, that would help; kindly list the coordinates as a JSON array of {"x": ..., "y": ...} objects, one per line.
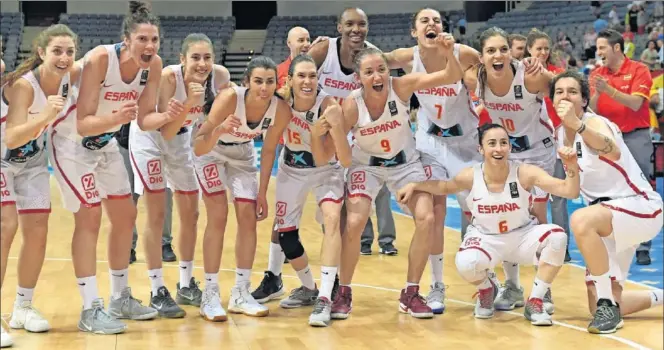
[
  {"x": 54, "y": 105},
  {"x": 127, "y": 113},
  {"x": 195, "y": 93},
  {"x": 567, "y": 113}
]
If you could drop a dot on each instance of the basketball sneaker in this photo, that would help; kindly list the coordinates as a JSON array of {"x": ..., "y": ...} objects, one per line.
[
  {"x": 484, "y": 307},
  {"x": 436, "y": 298},
  {"x": 211, "y": 308},
  {"x": 301, "y": 296},
  {"x": 343, "y": 303},
  {"x": 509, "y": 297},
  {"x": 411, "y": 302},
  {"x": 388, "y": 249},
  {"x": 96, "y": 320},
  {"x": 322, "y": 314},
  {"x": 165, "y": 305},
  {"x": 548, "y": 302},
  {"x": 241, "y": 302},
  {"x": 25, "y": 316},
  {"x": 5, "y": 338},
  {"x": 606, "y": 319},
  {"x": 127, "y": 307},
  {"x": 534, "y": 312},
  {"x": 271, "y": 287},
  {"x": 190, "y": 295}
]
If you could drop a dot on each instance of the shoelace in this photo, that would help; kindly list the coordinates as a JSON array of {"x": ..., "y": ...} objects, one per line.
[
  {"x": 212, "y": 298},
  {"x": 320, "y": 305},
  {"x": 437, "y": 293},
  {"x": 99, "y": 310},
  {"x": 604, "y": 312},
  {"x": 417, "y": 298},
  {"x": 536, "y": 305},
  {"x": 486, "y": 297}
]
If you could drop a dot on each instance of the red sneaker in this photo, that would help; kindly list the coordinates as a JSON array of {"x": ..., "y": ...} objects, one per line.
[
  {"x": 343, "y": 303},
  {"x": 411, "y": 302}
]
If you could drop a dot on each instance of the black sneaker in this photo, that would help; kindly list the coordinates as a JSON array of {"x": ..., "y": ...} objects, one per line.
[
  {"x": 607, "y": 318},
  {"x": 165, "y": 305},
  {"x": 167, "y": 253},
  {"x": 365, "y": 249},
  {"x": 389, "y": 249},
  {"x": 189, "y": 295},
  {"x": 643, "y": 257},
  {"x": 335, "y": 287},
  {"x": 271, "y": 287},
  {"x": 132, "y": 257}
]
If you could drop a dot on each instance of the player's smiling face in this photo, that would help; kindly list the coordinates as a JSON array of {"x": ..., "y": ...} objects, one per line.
[
  {"x": 304, "y": 80},
  {"x": 495, "y": 146},
  {"x": 374, "y": 72},
  {"x": 143, "y": 44}
]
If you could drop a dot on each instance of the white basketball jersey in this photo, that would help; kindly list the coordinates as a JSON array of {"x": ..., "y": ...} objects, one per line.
[
  {"x": 447, "y": 106},
  {"x": 298, "y": 134},
  {"x": 195, "y": 112},
  {"x": 39, "y": 102},
  {"x": 495, "y": 213},
  {"x": 519, "y": 111},
  {"x": 330, "y": 77},
  {"x": 244, "y": 133},
  {"x": 601, "y": 177},
  {"x": 388, "y": 135}
]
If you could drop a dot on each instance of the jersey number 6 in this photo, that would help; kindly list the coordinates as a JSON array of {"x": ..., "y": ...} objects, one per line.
[{"x": 502, "y": 226}]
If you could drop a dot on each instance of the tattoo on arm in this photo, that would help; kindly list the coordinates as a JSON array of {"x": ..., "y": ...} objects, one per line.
[
  {"x": 608, "y": 146},
  {"x": 571, "y": 173}
]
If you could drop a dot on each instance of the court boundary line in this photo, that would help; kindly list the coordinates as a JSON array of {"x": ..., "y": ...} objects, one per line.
[
  {"x": 569, "y": 263},
  {"x": 619, "y": 339}
]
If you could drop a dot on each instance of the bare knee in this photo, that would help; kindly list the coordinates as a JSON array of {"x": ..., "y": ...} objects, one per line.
[
  {"x": 87, "y": 220},
  {"x": 331, "y": 221},
  {"x": 8, "y": 227},
  {"x": 579, "y": 224}
]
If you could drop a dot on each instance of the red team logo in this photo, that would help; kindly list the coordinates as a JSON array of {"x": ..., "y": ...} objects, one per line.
[
  {"x": 154, "y": 171},
  {"x": 472, "y": 242},
  {"x": 211, "y": 175},
  {"x": 3, "y": 185},
  {"x": 357, "y": 180},
  {"x": 89, "y": 186},
  {"x": 281, "y": 208},
  {"x": 427, "y": 171}
]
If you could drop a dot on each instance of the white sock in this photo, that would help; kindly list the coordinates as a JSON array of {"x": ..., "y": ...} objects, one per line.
[
  {"x": 408, "y": 284},
  {"x": 603, "y": 286},
  {"x": 242, "y": 276},
  {"x": 186, "y": 273},
  {"x": 87, "y": 286},
  {"x": 119, "y": 281},
  {"x": 211, "y": 280},
  {"x": 539, "y": 288},
  {"x": 327, "y": 277},
  {"x": 656, "y": 298},
  {"x": 24, "y": 294},
  {"x": 436, "y": 268},
  {"x": 156, "y": 280},
  {"x": 275, "y": 259},
  {"x": 486, "y": 284},
  {"x": 512, "y": 273},
  {"x": 306, "y": 278}
]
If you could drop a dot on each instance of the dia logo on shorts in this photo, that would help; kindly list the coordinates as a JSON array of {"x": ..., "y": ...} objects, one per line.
[
  {"x": 154, "y": 171},
  {"x": 89, "y": 186},
  {"x": 211, "y": 174}
]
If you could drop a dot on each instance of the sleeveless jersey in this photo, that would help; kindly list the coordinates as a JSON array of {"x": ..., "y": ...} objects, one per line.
[
  {"x": 519, "y": 111},
  {"x": 195, "y": 113},
  {"x": 39, "y": 102},
  {"x": 388, "y": 135},
  {"x": 244, "y": 133},
  {"x": 299, "y": 129},
  {"x": 445, "y": 110},
  {"x": 601, "y": 177},
  {"x": 495, "y": 213},
  {"x": 334, "y": 81}
]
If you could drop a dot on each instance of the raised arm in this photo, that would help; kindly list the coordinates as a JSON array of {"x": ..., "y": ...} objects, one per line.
[
  {"x": 323, "y": 146},
  {"x": 20, "y": 130},
  {"x": 409, "y": 83},
  {"x": 216, "y": 124},
  {"x": 531, "y": 175},
  {"x": 195, "y": 95},
  {"x": 92, "y": 76},
  {"x": 400, "y": 58},
  {"x": 596, "y": 134},
  {"x": 318, "y": 52}
]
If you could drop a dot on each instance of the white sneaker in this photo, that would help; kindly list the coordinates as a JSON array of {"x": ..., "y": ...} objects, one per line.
[
  {"x": 25, "y": 316},
  {"x": 241, "y": 302},
  {"x": 211, "y": 308},
  {"x": 436, "y": 298},
  {"x": 6, "y": 339}
]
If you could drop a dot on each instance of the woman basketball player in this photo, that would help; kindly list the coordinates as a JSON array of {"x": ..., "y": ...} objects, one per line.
[
  {"x": 624, "y": 210},
  {"x": 165, "y": 155},
  {"x": 447, "y": 125},
  {"x": 385, "y": 153},
  {"x": 510, "y": 95},
  {"x": 225, "y": 159},
  {"x": 116, "y": 87},
  {"x": 502, "y": 227},
  {"x": 308, "y": 165},
  {"x": 33, "y": 96}
]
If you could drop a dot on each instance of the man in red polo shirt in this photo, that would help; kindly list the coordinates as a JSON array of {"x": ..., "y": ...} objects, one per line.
[
  {"x": 298, "y": 42},
  {"x": 620, "y": 91}
]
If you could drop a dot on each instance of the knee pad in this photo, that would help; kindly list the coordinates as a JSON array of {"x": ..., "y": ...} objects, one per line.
[
  {"x": 553, "y": 249},
  {"x": 472, "y": 264},
  {"x": 290, "y": 244}
]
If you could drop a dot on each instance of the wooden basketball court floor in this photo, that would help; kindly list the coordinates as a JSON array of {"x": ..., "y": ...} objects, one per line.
[{"x": 374, "y": 324}]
